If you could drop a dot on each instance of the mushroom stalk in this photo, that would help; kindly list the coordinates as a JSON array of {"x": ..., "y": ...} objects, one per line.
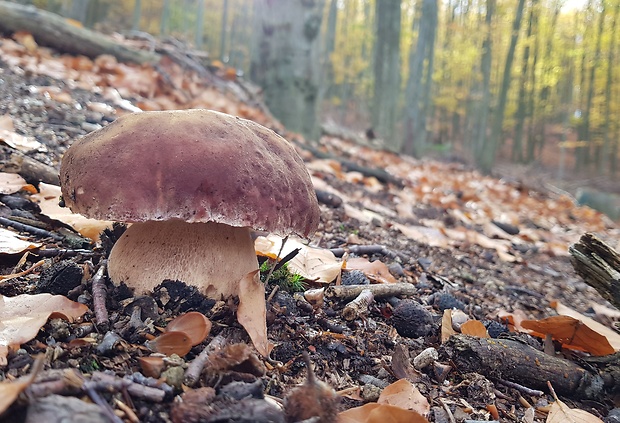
[{"x": 211, "y": 256}]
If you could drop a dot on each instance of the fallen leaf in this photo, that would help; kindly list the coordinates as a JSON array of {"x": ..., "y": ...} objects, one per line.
[
  {"x": 572, "y": 333},
  {"x": 375, "y": 270},
  {"x": 48, "y": 198},
  {"x": 315, "y": 264},
  {"x": 11, "y": 183},
  {"x": 474, "y": 328},
  {"x": 194, "y": 324},
  {"x": 380, "y": 413},
  {"x": 11, "y": 243},
  {"x": 10, "y": 390},
  {"x": 172, "y": 342},
  {"x": 446, "y": 325},
  {"x": 561, "y": 413},
  {"x": 404, "y": 394},
  {"x": 252, "y": 311},
  {"x": 22, "y": 316},
  {"x": 612, "y": 336},
  {"x": 15, "y": 140}
]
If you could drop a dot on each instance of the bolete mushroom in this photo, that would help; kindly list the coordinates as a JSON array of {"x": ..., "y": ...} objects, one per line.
[{"x": 192, "y": 183}]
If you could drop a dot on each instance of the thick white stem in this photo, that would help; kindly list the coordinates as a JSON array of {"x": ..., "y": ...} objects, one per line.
[{"x": 211, "y": 256}]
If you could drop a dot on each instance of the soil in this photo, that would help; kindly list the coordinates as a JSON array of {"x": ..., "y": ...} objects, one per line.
[{"x": 356, "y": 357}]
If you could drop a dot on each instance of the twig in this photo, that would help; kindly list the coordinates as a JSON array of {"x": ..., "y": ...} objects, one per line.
[
  {"x": 99, "y": 296},
  {"x": 66, "y": 252},
  {"x": 131, "y": 416},
  {"x": 5, "y": 278},
  {"x": 348, "y": 292},
  {"x": 105, "y": 407},
  {"x": 194, "y": 369},
  {"x": 106, "y": 382},
  {"x": 273, "y": 268},
  {"x": 521, "y": 388},
  {"x": 22, "y": 227},
  {"x": 358, "y": 306}
]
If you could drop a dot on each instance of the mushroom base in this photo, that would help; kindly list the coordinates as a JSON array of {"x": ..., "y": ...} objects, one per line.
[{"x": 211, "y": 256}]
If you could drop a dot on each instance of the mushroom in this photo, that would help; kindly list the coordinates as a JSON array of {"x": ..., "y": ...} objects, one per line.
[{"x": 192, "y": 183}]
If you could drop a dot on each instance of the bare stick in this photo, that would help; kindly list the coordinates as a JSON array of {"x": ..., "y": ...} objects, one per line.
[
  {"x": 99, "y": 296},
  {"x": 194, "y": 369},
  {"x": 348, "y": 292},
  {"x": 358, "y": 306}
]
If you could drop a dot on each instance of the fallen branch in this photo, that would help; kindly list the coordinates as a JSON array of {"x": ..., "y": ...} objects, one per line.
[
  {"x": 54, "y": 31},
  {"x": 348, "y": 292},
  {"x": 599, "y": 266}
]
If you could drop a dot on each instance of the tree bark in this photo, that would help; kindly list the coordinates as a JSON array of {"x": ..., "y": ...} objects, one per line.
[
  {"x": 286, "y": 60},
  {"x": 599, "y": 266},
  {"x": 52, "y": 30},
  {"x": 386, "y": 68}
]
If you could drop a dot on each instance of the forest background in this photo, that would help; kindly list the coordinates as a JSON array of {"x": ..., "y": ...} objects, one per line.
[{"x": 489, "y": 82}]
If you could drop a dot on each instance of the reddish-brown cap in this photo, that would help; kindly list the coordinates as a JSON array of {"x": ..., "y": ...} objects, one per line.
[{"x": 194, "y": 165}]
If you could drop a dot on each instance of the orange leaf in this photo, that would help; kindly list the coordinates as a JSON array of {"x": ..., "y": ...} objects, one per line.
[
  {"x": 572, "y": 333},
  {"x": 169, "y": 343},
  {"x": 380, "y": 413},
  {"x": 376, "y": 270},
  {"x": 474, "y": 328},
  {"x": 446, "y": 325},
  {"x": 194, "y": 324}
]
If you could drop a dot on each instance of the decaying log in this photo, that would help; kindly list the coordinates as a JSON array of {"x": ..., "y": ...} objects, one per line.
[
  {"x": 33, "y": 171},
  {"x": 51, "y": 30},
  {"x": 504, "y": 359},
  {"x": 599, "y": 266}
]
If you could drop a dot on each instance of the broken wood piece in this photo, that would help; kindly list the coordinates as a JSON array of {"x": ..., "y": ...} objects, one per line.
[
  {"x": 358, "y": 306},
  {"x": 100, "y": 293},
  {"x": 348, "y": 292},
  {"x": 54, "y": 31},
  {"x": 599, "y": 266},
  {"x": 14, "y": 161},
  {"x": 194, "y": 369},
  {"x": 504, "y": 359}
]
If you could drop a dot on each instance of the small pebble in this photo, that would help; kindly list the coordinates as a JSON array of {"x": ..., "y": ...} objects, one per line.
[
  {"x": 370, "y": 393},
  {"x": 425, "y": 358}
]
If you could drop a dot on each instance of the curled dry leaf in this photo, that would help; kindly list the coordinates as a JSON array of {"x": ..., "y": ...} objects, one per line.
[
  {"x": 15, "y": 140},
  {"x": 237, "y": 357},
  {"x": 612, "y": 336},
  {"x": 11, "y": 243},
  {"x": 194, "y": 324},
  {"x": 169, "y": 343},
  {"x": 10, "y": 390},
  {"x": 380, "y": 413},
  {"x": 22, "y": 316},
  {"x": 404, "y": 394},
  {"x": 446, "y": 325},
  {"x": 376, "y": 270},
  {"x": 152, "y": 366},
  {"x": 11, "y": 183},
  {"x": 48, "y": 198},
  {"x": 474, "y": 328},
  {"x": 316, "y": 264},
  {"x": 572, "y": 333},
  {"x": 252, "y": 311}
]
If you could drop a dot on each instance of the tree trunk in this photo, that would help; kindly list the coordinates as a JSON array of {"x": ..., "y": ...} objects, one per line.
[
  {"x": 386, "y": 68},
  {"x": 329, "y": 44},
  {"x": 200, "y": 19},
  {"x": 534, "y": 138},
  {"x": 137, "y": 15},
  {"x": 605, "y": 162},
  {"x": 286, "y": 60},
  {"x": 481, "y": 93},
  {"x": 164, "y": 23},
  {"x": 487, "y": 158},
  {"x": 414, "y": 140},
  {"x": 223, "y": 53}
]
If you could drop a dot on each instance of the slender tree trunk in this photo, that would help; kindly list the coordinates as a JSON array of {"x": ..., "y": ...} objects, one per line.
[
  {"x": 329, "y": 44},
  {"x": 414, "y": 142},
  {"x": 200, "y": 21},
  {"x": 487, "y": 159},
  {"x": 607, "y": 160},
  {"x": 386, "y": 68},
  {"x": 224, "y": 30},
  {"x": 137, "y": 14},
  {"x": 534, "y": 139},
  {"x": 287, "y": 61},
  {"x": 482, "y": 96},
  {"x": 164, "y": 23}
]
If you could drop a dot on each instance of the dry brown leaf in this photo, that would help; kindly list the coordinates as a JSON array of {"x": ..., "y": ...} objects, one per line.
[
  {"x": 376, "y": 270},
  {"x": 10, "y": 390},
  {"x": 430, "y": 236},
  {"x": 315, "y": 264},
  {"x": 380, "y": 413},
  {"x": 22, "y": 316},
  {"x": 612, "y": 336},
  {"x": 48, "y": 198},
  {"x": 572, "y": 333},
  {"x": 474, "y": 328},
  {"x": 446, "y": 326},
  {"x": 11, "y": 243},
  {"x": 152, "y": 366},
  {"x": 15, "y": 140},
  {"x": 404, "y": 394},
  {"x": 252, "y": 311},
  {"x": 194, "y": 324},
  {"x": 172, "y": 342},
  {"x": 561, "y": 413},
  {"x": 11, "y": 183}
]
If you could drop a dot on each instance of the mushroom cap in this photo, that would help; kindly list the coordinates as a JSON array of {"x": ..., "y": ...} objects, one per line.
[{"x": 194, "y": 165}]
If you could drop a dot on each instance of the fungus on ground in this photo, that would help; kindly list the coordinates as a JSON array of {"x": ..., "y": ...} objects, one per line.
[{"x": 193, "y": 183}]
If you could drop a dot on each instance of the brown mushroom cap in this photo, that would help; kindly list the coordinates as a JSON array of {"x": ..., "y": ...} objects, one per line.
[{"x": 194, "y": 165}]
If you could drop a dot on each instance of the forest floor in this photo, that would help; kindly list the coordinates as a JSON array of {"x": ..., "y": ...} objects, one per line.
[{"x": 459, "y": 239}]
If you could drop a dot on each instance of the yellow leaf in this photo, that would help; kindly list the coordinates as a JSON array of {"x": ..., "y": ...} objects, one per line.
[
  {"x": 404, "y": 394},
  {"x": 252, "y": 311},
  {"x": 561, "y": 413}
]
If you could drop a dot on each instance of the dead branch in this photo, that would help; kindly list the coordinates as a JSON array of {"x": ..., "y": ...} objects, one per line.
[
  {"x": 599, "y": 266},
  {"x": 348, "y": 292}
]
